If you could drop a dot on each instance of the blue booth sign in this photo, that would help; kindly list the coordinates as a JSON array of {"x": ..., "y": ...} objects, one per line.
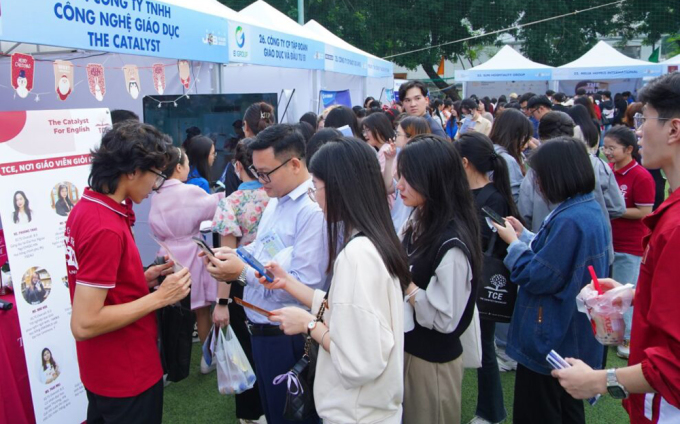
[
  {"x": 139, "y": 27},
  {"x": 260, "y": 46},
  {"x": 345, "y": 61},
  {"x": 505, "y": 75},
  {"x": 614, "y": 72},
  {"x": 379, "y": 68}
]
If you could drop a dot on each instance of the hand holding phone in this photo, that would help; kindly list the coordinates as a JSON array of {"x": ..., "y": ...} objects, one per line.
[
  {"x": 494, "y": 216},
  {"x": 203, "y": 246},
  {"x": 255, "y": 264}
]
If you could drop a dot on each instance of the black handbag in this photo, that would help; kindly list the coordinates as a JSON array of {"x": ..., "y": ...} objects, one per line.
[
  {"x": 300, "y": 379},
  {"x": 496, "y": 294}
]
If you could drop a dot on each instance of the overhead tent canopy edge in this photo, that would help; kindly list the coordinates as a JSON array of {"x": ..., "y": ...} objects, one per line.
[{"x": 506, "y": 65}]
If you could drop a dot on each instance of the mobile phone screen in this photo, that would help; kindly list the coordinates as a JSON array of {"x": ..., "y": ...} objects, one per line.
[
  {"x": 255, "y": 264},
  {"x": 204, "y": 247},
  {"x": 495, "y": 217}
]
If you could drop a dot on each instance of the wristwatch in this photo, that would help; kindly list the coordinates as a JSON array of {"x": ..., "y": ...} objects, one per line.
[
  {"x": 615, "y": 389},
  {"x": 223, "y": 301},
  {"x": 242, "y": 277},
  {"x": 311, "y": 326}
]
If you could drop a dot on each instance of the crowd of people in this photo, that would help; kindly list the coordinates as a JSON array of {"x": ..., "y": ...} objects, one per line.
[{"x": 376, "y": 248}]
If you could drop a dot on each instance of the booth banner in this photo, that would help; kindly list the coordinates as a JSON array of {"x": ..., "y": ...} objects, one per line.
[
  {"x": 184, "y": 70},
  {"x": 379, "y": 68},
  {"x": 23, "y": 68},
  {"x": 615, "y": 72},
  {"x": 345, "y": 61},
  {"x": 260, "y": 46},
  {"x": 44, "y": 167},
  {"x": 96, "y": 80},
  {"x": 132, "y": 83},
  {"x": 139, "y": 27},
  {"x": 389, "y": 95},
  {"x": 506, "y": 75},
  {"x": 159, "y": 78},
  {"x": 3, "y": 249},
  {"x": 329, "y": 98},
  {"x": 63, "y": 78}
]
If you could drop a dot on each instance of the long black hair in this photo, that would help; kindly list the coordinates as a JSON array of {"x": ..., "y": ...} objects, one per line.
[
  {"x": 581, "y": 117},
  {"x": 198, "y": 150},
  {"x": 380, "y": 127},
  {"x": 625, "y": 137},
  {"x": 479, "y": 151},
  {"x": 512, "y": 130},
  {"x": 66, "y": 200},
  {"x": 434, "y": 169},
  {"x": 341, "y": 116},
  {"x": 51, "y": 361},
  {"x": 355, "y": 201},
  {"x": 27, "y": 210}
]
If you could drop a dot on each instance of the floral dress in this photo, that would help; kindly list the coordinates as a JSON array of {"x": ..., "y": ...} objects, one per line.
[{"x": 239, "y": 214}]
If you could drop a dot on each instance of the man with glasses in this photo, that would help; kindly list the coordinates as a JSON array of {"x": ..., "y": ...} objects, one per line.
[
  {"x": 112, "y": 315},
  {"x": 292, "y": 233},
  {"x": 538, "y": 107},
  {"x": 523, "y": 106},
  {"x": 650, "y": 384}
]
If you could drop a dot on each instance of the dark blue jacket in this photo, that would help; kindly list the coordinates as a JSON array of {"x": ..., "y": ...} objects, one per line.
[
  {"x": 195, "y": 178},
  {"x": 551, "y": 271}
]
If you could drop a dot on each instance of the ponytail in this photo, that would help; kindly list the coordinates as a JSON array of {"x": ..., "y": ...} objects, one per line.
[
  {"x": 479, "y": 151},
  {"x": 625, "y": 137},
  {"x": 259, "y": 116}
]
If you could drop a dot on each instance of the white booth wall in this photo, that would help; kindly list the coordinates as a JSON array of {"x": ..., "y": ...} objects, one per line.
[{"x": 375, "y": 87}]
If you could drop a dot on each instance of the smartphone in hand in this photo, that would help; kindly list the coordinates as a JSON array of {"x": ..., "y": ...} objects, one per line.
[
  {"x": 203, "y": 246},
  {"x": 494, "y": 216},
  {"x": 255, "y": 264}
]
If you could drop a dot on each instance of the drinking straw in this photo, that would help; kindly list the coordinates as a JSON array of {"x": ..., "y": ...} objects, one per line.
[{"x": 596, "y": 283}]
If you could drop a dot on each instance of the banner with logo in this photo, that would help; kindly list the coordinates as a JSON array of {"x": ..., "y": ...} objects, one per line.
[
  {"x": 44, "y": 166},
  {"x": 329, "y": 98},
  {"x": 140, "y": 27},
  {"x": 505, "y": 75},
  {"x": 614, "y": 72},
  {"x": 260, "y": 46},
  {"x": 345, "y": 61},
  {"x": 379, "y": 68}
]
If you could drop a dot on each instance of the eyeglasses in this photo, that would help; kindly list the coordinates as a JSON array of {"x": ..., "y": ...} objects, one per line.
[
  {"x": 264, "y": 176},
  {"x": 639, "y": 120},
  {"x": 606, "y": 149},
  {"x": 160, "y": 179},
  {"x": 311, "y": 192}
]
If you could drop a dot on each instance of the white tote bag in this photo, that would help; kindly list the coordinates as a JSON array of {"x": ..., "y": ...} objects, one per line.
[{"x": 471, "y": 340}]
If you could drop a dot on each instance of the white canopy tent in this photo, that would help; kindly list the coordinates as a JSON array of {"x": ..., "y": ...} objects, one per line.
[
  {"x": 506, "y": 72},
  {"x": 604, "y": 68},
  {"x": 671, "y": 65}
]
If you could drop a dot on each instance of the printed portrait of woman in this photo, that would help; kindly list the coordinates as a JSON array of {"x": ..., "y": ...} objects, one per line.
[
  {"x": 36, "y": 285},
  {"x": 22, "y": 211},
  {"x": 64, "y": 197},
  {"x": 50, "y": 369}
]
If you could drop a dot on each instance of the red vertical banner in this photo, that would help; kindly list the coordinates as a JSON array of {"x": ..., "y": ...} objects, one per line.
[{"x": 23, "y": 68}]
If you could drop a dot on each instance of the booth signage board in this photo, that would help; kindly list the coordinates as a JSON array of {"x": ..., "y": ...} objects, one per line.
[
  {"x": 260, "y": 46},
  {"x": 614, "y": 72},
  {"x": 44, "y": 167},
  {"x": 505, "y": 75},
  {"x": 345, "y": 61},
  {"x": 139, "y": 27},
  {"x": 329, "y": 98},
  {"x": 378, "y": 68}
]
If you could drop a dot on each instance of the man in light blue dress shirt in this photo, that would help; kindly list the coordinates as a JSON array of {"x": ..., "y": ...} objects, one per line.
[{"x": 292, "y": 232}]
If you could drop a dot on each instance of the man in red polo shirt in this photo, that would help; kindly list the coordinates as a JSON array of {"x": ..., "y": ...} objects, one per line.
[
  {"x": 112, "y": 317},
  {"x": 650, "y": 384}
]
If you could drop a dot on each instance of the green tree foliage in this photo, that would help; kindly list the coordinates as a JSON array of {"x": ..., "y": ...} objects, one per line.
[{"x": 651, "y": 18}]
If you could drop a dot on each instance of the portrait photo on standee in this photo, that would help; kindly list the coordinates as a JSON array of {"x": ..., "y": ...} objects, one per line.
[{"x": 36, "y": 285}]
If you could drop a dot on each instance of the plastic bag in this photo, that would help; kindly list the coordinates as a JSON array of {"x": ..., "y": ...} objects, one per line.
[
  {"x": 234, "y": 373},
  {"x": 605, "y": 312}
]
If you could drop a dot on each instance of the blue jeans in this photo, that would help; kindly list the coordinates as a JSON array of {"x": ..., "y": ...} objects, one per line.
[
  {"x": 626, "y": 269},
  {"x": 502, "y": 334},
  {"x": 489, "y": 389}
]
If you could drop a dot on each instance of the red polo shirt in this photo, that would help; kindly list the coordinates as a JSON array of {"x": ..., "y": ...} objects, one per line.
[
  {"x": 101, "y": 252},
  {"x": 638, "y": 189},
  {"x": 655, "y": 338}
]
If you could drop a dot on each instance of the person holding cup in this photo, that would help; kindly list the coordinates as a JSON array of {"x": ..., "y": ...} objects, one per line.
[{"x": 551, "y": 267}]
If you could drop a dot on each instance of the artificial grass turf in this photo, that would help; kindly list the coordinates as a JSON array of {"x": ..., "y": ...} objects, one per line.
[{"x": 196, "y": 399}]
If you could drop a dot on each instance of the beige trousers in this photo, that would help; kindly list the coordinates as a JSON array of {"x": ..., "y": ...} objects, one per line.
[{"x": 432, "y": 391}]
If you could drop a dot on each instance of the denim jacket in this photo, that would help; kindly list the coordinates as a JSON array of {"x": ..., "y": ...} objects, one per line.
[{"x": 550, "y": 270}]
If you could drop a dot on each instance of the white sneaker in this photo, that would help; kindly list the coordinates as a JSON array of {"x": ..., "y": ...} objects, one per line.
[
  {"x": 505, "y": 363},
  {"x": 479, "y": 420},
  {"x": 205, "y": 369},
  {"x": 623, "y": 351}
]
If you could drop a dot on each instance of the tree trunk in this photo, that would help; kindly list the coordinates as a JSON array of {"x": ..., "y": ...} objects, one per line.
[{"x": 440, "y": 83}]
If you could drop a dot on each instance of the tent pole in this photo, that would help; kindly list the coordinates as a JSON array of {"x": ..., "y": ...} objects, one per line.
[{"x": 301, "y": 12}]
